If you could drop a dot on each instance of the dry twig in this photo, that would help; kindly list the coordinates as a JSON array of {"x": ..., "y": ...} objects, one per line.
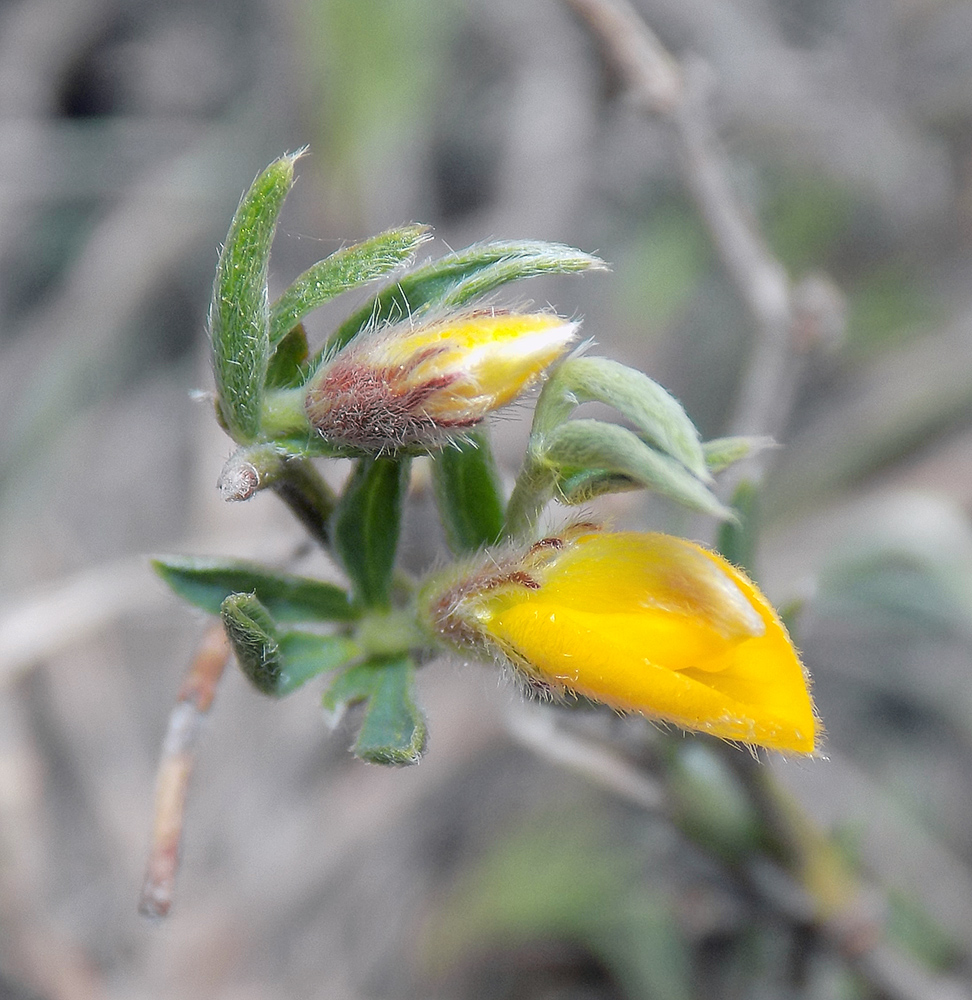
[
  {"x": 661, "y": 86},
  {"x": 175, "y": 768}
]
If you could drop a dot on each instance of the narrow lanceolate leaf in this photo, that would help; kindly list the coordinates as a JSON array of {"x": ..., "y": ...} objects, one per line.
[
  {"x": 346, "y": 268},
  {"x": 393, "y": 730},
  {"x": 253, "y": 636},
  {"x": 720, "y": 453},
  {"x": 657, "y": 415},
  {"x": 458, "y": 279},
  {"x": 468, "y": 494},
  {"x": 304, "y": 655},
  {"x": 239, "y": 315},
  {"x": 584, "y": 485},
  {"x": 366, "y": 526},
  {"x": 277, "y": 661},
  {"x": 206, "y": 583},
  {"x": 580, "y": 444}
]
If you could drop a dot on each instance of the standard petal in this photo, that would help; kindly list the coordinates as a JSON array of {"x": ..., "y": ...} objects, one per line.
[{"x": 645, "y": 623}]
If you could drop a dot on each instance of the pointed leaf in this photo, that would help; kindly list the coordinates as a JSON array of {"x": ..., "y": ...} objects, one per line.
[
  {"x": 584, "y": 485},
  {"x": 285, "y": 369},
  {"x": 253, "y": 636},
  {"x": 656, "y": 414},
  {"x": 366, "y": 526},
  {"x": 393, "y": 730},
  {"x": 305, "y": 655},
  {"x": 239, "y": 314},
  {"x": 278, "y": 662},
  {"x": 207, "y": 582},
  {"x": 468, "y": 494},
  {"x": 346, "y": 268},
  {"x": 458, "y": 279},
  {"x": 580, "y": 444},
  {"x": 720, "y": 453}
]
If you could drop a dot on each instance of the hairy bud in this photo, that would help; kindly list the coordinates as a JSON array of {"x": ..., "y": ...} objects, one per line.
[{"x": 420, "y": 386}]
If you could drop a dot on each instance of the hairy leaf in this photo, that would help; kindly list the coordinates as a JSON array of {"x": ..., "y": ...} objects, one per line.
[
  {"x": 207, "y": 582},
  {"x": 366, "y": 526},
  {"x": 346, "y": 268},
  {"x": 253, "y": 636},
  {"x": 720, "y": 453},
  {"x": 468, "y": 494},
  {"x": 393, "y": 730},
  {"x": 239, "y": 314},
  {"x": 458, "y": 279},
  {"x": 656, "y": 414},
  {"x": 580, "y": 444}
]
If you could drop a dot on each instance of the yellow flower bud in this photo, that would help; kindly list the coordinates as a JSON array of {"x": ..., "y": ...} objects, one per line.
[
  {"x": 641, "y": 622},
  {"x": 404, "y": 386}
]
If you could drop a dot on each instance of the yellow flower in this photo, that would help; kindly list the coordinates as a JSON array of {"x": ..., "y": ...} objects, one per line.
[
  {"x": 407, "y": 385},
  {"x": 641, "y": 622}
]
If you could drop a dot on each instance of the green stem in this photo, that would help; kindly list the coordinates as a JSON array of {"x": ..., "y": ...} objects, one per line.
[
  {"x": 533, "y": 489},
  {"x": 390, "y": 632},
  {"x": 310, "y": 499}
]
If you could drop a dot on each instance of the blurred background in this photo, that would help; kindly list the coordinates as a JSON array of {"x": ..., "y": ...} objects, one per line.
[{"x": 128, "y": 131}]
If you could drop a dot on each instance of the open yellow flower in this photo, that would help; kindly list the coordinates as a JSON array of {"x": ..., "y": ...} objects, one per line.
[
  {"x": 642, "y": 622},
  {"x": 407, "y": 385}
]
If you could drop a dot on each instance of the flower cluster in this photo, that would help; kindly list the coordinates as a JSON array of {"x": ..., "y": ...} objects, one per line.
[{"x": 640, "y": 622}]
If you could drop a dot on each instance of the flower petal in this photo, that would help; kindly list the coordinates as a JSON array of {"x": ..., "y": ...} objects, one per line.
[{"x": 647, "y": 623}]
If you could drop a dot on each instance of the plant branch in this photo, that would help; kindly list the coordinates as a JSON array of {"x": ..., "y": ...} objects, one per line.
[
  {"x": 678, "y": 93},
  {"x": 194, "y": 700},
  {"x": 303, "y": 489}
]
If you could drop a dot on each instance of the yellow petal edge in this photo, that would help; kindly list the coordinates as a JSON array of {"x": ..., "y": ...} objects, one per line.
[{"x": 647, "y": 623}]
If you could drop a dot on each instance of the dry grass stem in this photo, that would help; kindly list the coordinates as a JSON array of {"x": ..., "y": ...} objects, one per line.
[{"x": 175, "y": 768}]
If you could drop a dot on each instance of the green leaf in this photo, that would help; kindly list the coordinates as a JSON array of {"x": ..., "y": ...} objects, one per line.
[
  {"x": 720, "y": 453},
  {"x": 737, "y": 539},
  {"x": 285, "y": 369},
  {"x": 393, "y": 730},
  {"x": 584, "y": 485},
  {"x": 347, "y": 268},
  {"x": 278, "y": 662},
  {"x": 304, "y": 655},
  {"x": 656, "y": 414},
  {"x": 468, "y": 494},
  {"x": 253, "y": 636},
  {"x": 207, "y": 582},
  {"x": 366, "y": 526},
  {"x": 456, "y": 280},
  {"x": 239, "y": 314},
  {"x": 593, "y": 444}
]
